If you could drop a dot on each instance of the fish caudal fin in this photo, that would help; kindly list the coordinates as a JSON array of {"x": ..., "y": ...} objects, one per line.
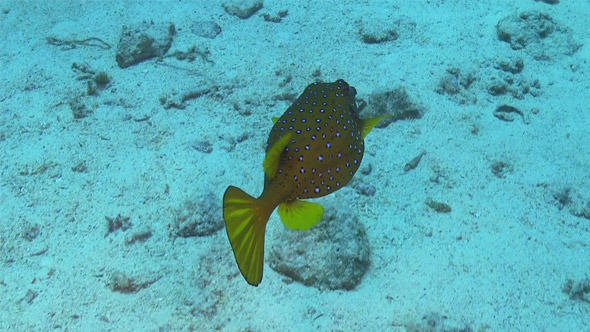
[
  {"x": 245, "y": 222},
  {"x": 300, "y": 215}
]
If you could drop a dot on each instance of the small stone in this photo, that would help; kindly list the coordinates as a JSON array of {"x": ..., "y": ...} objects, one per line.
[
  {"x": 439, "y": 207},
  {"x": 80, "y": 167},
  {"x": 576, "y": 201},
  {"x": 508, "y": 113},
  {"x": 497, "y": 88},
  {"x": 242, "y": 8},
  {"x": 449, "y": 84},
  {"x": 203, "y": 146},
  {"x": 366, "y": 169},
  {"x": 578, "y": 290},
  {"x": 30, "y": 232},
  {"x": 30, "y": 296},
  {"x": 143, "y": 41},
  {"x": 206, "y": 29},
  {"x": 365, "y": 189},
  {"x": 121, "y": 283},
  {"x": 79, "y": 109},
  {"x": 376, "y": 31},
  {"x": 513, "y": 66},
  {"x": 501, "y": 168},
  {"x": 551, "y": 2}
]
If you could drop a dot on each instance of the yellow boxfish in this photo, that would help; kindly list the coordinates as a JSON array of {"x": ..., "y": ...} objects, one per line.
[{"x": 313, "y": 149}]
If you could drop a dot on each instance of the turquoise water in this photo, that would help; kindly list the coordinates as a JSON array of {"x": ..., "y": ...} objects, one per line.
[{"x": 123, "y": 123}]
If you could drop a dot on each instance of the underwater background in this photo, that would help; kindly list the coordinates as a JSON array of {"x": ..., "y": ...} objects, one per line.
[{"x": 122, "y": 123}]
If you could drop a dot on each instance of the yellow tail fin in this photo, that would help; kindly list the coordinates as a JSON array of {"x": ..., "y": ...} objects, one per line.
[{"x": 245, "y": 222}]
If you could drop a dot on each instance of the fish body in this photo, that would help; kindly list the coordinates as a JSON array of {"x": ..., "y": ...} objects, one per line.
[
  {"x": 313, "y": 149},
  {"x": 325, "y": 148}
]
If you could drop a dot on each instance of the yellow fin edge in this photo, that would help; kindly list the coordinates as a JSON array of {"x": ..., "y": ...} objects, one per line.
[
  {"x": 300, "y": 215},
  {"x": 369, "y": 124},
  {"x": 271, "y": 161}
]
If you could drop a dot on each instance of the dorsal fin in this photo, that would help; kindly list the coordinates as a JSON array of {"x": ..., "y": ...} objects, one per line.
[
  {"x": 369, "y": 124},
  {"x": 271, "y": 161}
]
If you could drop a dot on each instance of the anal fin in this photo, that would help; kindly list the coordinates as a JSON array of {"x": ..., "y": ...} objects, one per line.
[{"x": 300, "y": 215}]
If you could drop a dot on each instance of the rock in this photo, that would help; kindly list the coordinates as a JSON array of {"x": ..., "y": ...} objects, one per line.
[
  {"x": 510, "y": 65},
  {"x": 143, "y": 41},
  {"x": 437, "y": 206},
  {"x": 538, "y": 34},
  {"x": 206, "y": 29},
  {"x": 577, "y": 202},
  {"x": 365, "y": 189},
  {"x": 396, "y": 102},
  {"x": 79, "y": 108},
  {"x": 198, "y": 216},
  {"x": 515, "y": 85},
  {"x": 374, "y": 31},
  {"x": 508, "y": 113},
  {"x": 577, "y": 290},
  {"x": 434, "y": 322},
  {"x": 501, "y": 168},
  {"x": 334, "y": 254},
  {"x": 456, "y": 84},
  {"x": 242, "y": 8}
]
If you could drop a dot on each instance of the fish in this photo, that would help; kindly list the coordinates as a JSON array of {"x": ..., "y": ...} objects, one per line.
[{"x": 313, "y": 150}]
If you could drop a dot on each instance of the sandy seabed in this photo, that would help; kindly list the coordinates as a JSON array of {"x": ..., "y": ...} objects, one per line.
[{"x": 93, "y": 178}]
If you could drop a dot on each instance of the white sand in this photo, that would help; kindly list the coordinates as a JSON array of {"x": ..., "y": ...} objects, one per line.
[{"x": 498, "y": 260}]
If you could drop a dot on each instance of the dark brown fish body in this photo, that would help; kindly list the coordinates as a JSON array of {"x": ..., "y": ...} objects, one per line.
[{"x": 326, "y": 147}]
